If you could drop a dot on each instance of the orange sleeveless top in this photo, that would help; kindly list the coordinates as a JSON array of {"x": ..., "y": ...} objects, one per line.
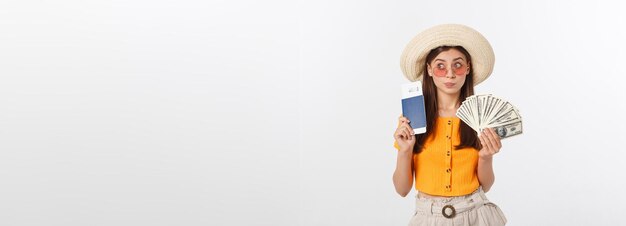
[{"x": 439, "y": 168}]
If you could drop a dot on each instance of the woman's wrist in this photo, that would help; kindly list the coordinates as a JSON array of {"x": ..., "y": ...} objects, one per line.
[
  {"x": 485, "y": 158},
  {"x": 406, "y": 150}
]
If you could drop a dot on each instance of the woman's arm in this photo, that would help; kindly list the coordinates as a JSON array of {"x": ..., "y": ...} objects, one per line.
[
  {"x": 403, "y": 175},
  {"x": 485, "y": 173},
  {"x": 405, "y": 140},
  {"x": 491, "y": 145}
]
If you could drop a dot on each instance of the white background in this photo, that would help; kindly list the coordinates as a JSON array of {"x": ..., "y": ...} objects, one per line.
[{"x": 282, "y": 113}]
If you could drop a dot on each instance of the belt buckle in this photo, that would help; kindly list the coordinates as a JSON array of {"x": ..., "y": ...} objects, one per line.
[{"x": 451, "y": 215}]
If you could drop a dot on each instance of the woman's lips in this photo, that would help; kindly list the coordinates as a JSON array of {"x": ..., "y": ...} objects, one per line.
[{"x": 449, "y": 84}]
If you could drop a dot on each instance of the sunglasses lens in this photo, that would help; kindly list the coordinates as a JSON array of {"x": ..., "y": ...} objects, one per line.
[
  {"x": 440, "y": 72},
  {"x": 460, "y": 71}
]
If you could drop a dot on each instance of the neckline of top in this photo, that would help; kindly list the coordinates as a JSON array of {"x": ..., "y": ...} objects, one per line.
[{"x": 452, "y": 117}]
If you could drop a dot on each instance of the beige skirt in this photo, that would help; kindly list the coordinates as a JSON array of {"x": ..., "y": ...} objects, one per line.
[{"x": 472, "y": 209}]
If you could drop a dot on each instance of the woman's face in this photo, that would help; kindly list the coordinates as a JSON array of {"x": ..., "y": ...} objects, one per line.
[{"x": 449, "y": 70}]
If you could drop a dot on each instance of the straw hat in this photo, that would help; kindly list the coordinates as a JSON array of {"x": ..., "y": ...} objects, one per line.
[{"x": 414, "y": 55}]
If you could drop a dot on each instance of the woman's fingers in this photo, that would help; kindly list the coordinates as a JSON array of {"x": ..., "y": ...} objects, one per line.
[
  {"x": 402, "y": 120},
  {"x": 409, "y": 129},
  {"x": 404, "y": 130},
  {"x": 407, "y": 134},
  {"x": 481, "y": 137},
  {"x": 397, "y": 135},
  {"x": 496, "y": 138},
  {"x": 486, "y": 142},
  {"x": 400, "y": 131},
  {"x": 491, "y": 140}
]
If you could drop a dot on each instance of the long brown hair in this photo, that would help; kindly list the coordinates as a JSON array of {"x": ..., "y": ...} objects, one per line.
[{"x": 468, "y": 135}]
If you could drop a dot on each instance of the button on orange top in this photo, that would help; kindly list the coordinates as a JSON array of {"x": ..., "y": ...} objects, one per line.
[{"x": 442, "y": 170}]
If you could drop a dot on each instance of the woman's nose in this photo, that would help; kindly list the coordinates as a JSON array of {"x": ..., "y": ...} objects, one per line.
[{"x": 450, "y": 74}]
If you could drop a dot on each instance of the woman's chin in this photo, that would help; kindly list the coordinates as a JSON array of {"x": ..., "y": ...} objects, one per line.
[{"x": 449, "y": 91}]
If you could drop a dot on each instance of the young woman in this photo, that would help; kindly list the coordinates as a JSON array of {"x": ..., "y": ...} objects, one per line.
[{"x": 450, "y": 164}]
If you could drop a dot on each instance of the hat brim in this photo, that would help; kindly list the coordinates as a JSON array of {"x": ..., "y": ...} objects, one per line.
[{"x": 414, "y": 55}]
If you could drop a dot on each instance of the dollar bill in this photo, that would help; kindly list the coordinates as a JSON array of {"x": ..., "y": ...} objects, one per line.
[
  {"x": 506, "y": 118},
  {"x": 509, "y": 130},
  {"x": 487, "y": 111}
]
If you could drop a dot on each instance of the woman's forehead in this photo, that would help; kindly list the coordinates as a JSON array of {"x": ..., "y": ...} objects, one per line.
[{"x": 450, "y": 55}]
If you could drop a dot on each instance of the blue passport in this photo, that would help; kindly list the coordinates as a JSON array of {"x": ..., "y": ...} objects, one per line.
[{"x": 413, "y": 106}]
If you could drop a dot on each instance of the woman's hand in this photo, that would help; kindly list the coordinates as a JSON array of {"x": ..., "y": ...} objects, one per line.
[
  {"x": 490, "y": 142},
  {"x": 404, "y": 135}
]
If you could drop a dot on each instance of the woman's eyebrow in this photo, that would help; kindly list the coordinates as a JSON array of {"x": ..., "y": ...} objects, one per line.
[{"x": 458, "y": 58}]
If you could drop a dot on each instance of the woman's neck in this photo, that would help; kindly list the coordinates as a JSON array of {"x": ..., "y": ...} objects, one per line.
[{"x": 447, "y": 103}]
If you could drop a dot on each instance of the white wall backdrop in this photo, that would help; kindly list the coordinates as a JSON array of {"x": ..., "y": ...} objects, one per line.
[
  {"x": 148, "y": 113},
  {"x": 282, "y": 113}
]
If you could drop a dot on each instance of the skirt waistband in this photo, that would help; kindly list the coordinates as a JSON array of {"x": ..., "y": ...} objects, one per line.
[{"x": 449, "y": 207}]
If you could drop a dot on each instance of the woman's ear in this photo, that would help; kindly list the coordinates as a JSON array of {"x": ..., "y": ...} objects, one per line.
[{"x": 430, "y": 72}]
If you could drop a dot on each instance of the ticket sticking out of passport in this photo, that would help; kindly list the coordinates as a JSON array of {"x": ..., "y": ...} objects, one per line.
[{"x": 413, "y": 106}]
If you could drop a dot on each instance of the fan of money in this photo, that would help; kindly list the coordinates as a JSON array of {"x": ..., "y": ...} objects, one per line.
[{"x": 486, "y": 111}]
